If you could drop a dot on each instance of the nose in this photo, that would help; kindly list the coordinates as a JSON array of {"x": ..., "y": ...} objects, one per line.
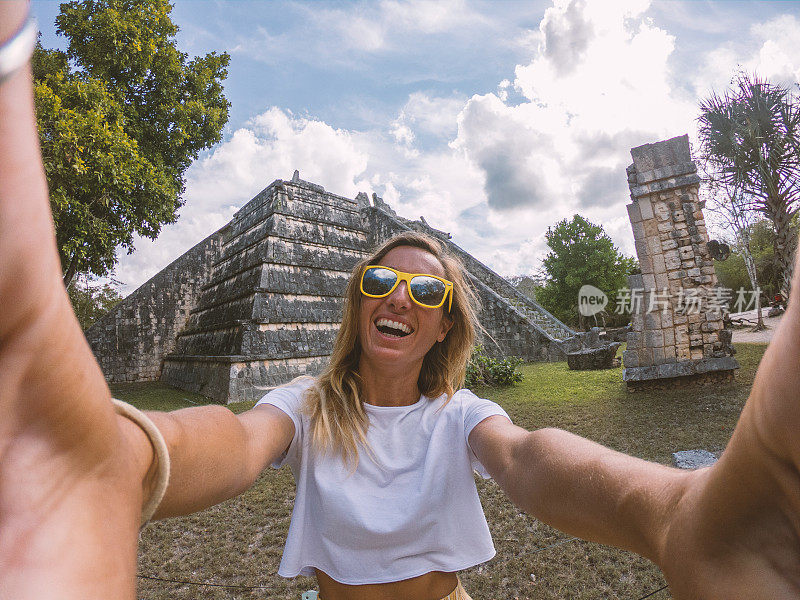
[{"x": 399, "y": 298}]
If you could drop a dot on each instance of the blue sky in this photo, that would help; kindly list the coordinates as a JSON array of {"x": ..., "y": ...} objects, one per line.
[{"x": 493, "y": 119}]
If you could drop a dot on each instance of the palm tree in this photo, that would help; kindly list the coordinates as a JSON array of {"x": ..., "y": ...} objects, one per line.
[{"x": 750, "y": 141}]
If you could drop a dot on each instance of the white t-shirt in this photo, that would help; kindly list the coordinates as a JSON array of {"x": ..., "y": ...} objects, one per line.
[{"x": 418, "y": 512}]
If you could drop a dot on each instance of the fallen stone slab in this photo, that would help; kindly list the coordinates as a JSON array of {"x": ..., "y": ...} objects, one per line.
[
  {"x": 593, "y": 358},
  {"x": 693, "y": 459}
]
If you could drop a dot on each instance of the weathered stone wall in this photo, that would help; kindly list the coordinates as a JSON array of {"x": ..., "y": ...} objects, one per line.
[
  {"x": 272, "y": 307},
  {"x": 677, "y": 317},
  {"x": 131, "y": 340}
]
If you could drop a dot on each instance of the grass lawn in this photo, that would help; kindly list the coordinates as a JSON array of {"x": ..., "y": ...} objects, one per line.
[{"x": 240, "y": 542}]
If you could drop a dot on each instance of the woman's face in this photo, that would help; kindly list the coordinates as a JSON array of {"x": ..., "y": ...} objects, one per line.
[{"x": 379, "y": 316}]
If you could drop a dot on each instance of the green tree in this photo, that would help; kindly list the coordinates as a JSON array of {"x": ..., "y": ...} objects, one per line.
[
  {"x": 581, "y": 253},
  {"x": 121, "y": 115},
  {"x": 732, "y": 273},
  {"x": 750, "y": 141},
  {"x": 91, "y": 300}
]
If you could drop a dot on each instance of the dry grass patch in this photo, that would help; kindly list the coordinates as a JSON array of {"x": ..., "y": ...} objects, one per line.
[{"x": 240, "y": 541}]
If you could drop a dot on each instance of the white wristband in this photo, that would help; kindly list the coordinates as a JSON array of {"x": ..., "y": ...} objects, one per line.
[
  {"x": 160, "y": 455},
  {"x": 17, "y": 51}
]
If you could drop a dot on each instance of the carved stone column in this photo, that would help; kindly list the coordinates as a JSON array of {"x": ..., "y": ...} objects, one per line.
[{"x": 677, "y": 308}]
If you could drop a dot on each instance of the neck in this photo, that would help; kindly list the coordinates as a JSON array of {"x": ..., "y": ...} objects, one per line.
[{"x": 387, "y": 386}]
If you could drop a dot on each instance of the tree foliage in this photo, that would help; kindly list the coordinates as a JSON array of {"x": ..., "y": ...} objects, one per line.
[
  {"x": 732, "y": 273},
  {"x": 121, "y": 115},
  {"x": 581, "y": 253},
  {"x": 750, "y": 141},
  {"x": 91, "y": 300}
]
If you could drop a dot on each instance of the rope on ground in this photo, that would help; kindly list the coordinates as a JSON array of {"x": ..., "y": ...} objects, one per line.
[
  {"x": 203, "y": 583},
  {"x": 654, "y": 592}
]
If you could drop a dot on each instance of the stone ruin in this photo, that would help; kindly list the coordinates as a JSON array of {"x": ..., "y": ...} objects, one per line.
[
  {"x": 677, "y": 329},
  {"x": 259, "y": 301}
]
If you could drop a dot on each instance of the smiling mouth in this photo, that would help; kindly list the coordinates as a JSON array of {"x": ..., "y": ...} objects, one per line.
[{"x": 393, "y": 328}]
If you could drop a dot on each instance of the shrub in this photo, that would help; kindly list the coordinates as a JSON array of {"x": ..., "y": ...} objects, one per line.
[{"x": 485, "y": 370}]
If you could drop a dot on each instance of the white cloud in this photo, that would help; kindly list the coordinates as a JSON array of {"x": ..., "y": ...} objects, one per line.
[
  {"x": 494, "y": 169},
  {"x": 768, "y": 49},
  {"x": 778, "y": 56},
  {"x": 598, "y": 85},
  {"x": 428, "y": 115}
]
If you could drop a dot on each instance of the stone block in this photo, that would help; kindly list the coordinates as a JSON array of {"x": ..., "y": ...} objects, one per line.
[
  {"x": 658, "y": 264},
  {"x": 658, "y": 356},
  {"x": 635, "y": 282},
  {"x": 638, "y": 230},
  {"x": 645, "y": 208},
  {"x": 641, "y": 248},
  {"x": 649, "y": 281},
  {"x": 630, "y": 358},
  {"x": 654, "y": 338},
  {"x": 670, "y": 354},
  {"x": 665, "y": 226},
  {"x": 667, "y": 319},
  {"x": 669, "y": 336},
  {"x": 693, "y": 459},
  {"x": 653, "y": 245},
  {"x": 686, "y": 253},
  {"x": 634, "y": 214},
  {"x": 661, "y": 279},
  {"x": 652, "y": 321},
  {"x": 672, "y": 260},
  {"x": 669, "y": 245}
]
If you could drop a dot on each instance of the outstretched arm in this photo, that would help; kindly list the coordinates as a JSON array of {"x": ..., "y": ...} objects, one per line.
[
  {"x": 73, "y": 474},
  {"x": 581, "y": 487},
  {"x": 68, "y": 502},
  {"x": 216, "y": 454},
  {"x": 728, "y": 531}
]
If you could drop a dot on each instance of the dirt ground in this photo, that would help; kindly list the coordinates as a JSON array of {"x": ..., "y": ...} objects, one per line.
[{"x": 747, "y": 335}]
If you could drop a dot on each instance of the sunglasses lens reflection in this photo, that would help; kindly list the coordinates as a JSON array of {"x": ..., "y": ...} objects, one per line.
[
  {"x": 378, "y": 281},
  {"x": 427, "y": 290}
]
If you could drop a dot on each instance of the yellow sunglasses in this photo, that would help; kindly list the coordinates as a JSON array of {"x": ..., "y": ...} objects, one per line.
[{"x": 426, "y": 290}]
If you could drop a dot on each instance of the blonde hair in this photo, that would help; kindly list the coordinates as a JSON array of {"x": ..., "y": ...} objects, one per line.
[{"x": 335, "y": 405}]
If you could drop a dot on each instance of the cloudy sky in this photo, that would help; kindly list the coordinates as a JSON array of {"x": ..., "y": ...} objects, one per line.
[{"x": 493, "y": 119}]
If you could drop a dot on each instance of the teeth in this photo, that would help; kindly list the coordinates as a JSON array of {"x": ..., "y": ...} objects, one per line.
[{"x": 394, "y": 325}]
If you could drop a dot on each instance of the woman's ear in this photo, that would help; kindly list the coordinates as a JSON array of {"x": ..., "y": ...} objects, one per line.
[{"x": 444, "y": 327}]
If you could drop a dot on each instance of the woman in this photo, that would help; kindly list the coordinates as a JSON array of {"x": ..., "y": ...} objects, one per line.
[{"x": 74, "y": 475}]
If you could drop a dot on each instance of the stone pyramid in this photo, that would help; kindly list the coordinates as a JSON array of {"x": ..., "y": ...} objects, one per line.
[{"x": 259, "y": 301}]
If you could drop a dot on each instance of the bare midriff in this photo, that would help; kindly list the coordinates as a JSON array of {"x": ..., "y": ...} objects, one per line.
[{"x": 430, "y": 586}]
